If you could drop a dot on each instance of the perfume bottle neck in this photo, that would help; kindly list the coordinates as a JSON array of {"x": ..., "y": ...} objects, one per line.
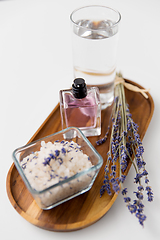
[{"x": 79, "y": 88}]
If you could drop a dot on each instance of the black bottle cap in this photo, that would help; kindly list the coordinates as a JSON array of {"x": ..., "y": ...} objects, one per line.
[{"x": 79, "y": 88}]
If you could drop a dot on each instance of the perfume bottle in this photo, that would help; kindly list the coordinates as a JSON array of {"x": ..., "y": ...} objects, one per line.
[{"x": 80, "y": 107}]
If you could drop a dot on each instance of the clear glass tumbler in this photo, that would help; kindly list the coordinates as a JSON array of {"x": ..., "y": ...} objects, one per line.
[{"x": 94, "y": 39}]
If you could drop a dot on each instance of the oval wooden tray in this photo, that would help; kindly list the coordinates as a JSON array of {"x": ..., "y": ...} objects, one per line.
[{"x": 87, "y": 208}]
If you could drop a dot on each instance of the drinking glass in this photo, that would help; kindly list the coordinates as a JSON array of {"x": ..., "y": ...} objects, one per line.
[{"x": 95, "y": 31}]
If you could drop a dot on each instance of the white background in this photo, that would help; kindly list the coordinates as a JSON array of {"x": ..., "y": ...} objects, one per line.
[{"x": 36, "y": 62}]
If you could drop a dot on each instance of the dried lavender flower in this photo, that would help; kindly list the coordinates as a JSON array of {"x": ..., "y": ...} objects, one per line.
[{"x": 125, "y": 144}]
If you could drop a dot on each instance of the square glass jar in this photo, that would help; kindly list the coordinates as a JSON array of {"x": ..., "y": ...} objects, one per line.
[{"x": 67, "y": 188}]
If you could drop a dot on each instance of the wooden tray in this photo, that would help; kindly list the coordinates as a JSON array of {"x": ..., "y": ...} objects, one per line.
[{"x": 87, "y": 208}]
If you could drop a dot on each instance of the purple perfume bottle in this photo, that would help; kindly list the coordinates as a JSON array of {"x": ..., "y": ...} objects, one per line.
[{"x": 80, "y": 107}]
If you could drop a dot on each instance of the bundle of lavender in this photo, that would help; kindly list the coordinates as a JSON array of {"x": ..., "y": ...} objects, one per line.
[{"x": 125, "y": 143}]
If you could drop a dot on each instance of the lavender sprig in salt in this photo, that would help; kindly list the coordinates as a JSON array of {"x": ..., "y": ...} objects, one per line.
[{"x": 125, "y": 145}]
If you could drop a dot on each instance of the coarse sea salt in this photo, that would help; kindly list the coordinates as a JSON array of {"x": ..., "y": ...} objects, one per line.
[{"x": 53, "y": 163}]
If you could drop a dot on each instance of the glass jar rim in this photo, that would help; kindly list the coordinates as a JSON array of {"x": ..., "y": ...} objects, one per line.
[{"x": 98, "y": 6}]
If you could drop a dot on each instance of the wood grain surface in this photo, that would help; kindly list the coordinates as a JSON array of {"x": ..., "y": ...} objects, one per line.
[{"x": 87, "y": 208}]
